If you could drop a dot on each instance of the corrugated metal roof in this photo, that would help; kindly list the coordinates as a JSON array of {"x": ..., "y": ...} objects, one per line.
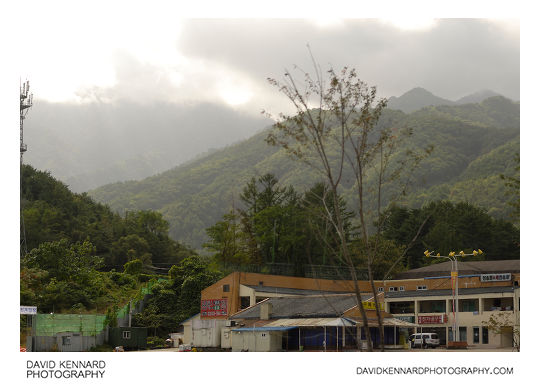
[
  {"x": 464, "y": 268},
  {"x": 448, "y": 292},
  {"x": 264, "y": 329},
  {"x": 313, "y": 322},
  {"x": 287, "y": 290},
  {"x": 314, "y": 306}
]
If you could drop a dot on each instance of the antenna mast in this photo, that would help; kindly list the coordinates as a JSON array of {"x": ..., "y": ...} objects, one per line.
[{"x": 26, "y": 102}]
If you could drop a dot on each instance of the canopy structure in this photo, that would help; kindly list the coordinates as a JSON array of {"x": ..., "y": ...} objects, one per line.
[
  {"x": 399, "y": 323},
  {"x": 313, "y": 322},
  {"x": 388, "y": 321},
  {"x": 264, "y": 329}
]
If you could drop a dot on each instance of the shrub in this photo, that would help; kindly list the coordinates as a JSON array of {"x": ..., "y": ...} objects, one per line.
[{"x": 133, "y": 267}]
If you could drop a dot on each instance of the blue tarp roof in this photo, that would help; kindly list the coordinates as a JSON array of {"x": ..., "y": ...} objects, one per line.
[{"x": 265, "y": 329}]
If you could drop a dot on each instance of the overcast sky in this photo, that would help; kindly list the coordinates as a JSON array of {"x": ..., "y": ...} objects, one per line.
[{"x": 151, "y": 53}]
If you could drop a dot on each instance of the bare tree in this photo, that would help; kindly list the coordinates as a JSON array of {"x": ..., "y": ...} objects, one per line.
[{"x": 334, "y": 131}]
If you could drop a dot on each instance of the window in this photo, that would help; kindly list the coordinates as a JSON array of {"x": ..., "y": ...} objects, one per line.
[
  {"x": 392, "y": 289},
  {"x": 432, "y": 306},
  {"x": 380, "y": 289},
  {"x": 226, "y": 288},
  {"x": 463, "y": 333},
  {"x": 468, "y": 305},
  {"x": 66, "y": 340},
  {"x": 402, "y": 307},
  {"x": 485, "y": 335},
  {"x": 244, "y": 302},
  {"x": 476, "y": 335},
  {"x": 402, "y": 288},
  {"x": 422, "y": 287},
  {"x": 126, "y": 334}
]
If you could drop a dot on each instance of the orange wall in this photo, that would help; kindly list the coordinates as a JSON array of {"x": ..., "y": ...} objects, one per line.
[
  {"x": 234, "y": 280},
  {"x": 443, "y": 283},
  {"x": 253, "y": 279}
]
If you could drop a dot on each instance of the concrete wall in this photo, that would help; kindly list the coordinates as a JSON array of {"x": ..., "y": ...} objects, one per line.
[
  {"x": 226, "y": 338},
  {"x": 262, "y": 341},
  {"x": 77, "y": 342},
  {"x": 207, "y": 332}
]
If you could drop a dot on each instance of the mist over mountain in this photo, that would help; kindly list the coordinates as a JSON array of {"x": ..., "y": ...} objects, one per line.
[
  {"x": 473, "y": 145},
  {"x": 89, "y": 145}
]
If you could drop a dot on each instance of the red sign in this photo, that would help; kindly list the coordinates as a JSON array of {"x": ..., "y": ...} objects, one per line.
[
  {"x": 214, "y": 307},
  {"x": 432, "y": 319}
]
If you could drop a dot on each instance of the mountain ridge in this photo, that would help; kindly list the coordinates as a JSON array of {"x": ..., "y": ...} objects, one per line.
[
  {"x": 418, "y": 98},
  {"x": 194, "y": 196}
]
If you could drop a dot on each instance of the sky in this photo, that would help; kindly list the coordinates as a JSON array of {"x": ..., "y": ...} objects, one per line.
[
  {"x": 155, "y": 51},
  {"x": 108, "y": 51}
]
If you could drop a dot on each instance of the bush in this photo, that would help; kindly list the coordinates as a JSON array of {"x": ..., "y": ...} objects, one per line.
[
  {"x": 155, "y": 342},
  {"x": 133, "y": 267},
  {"x": 122, "y": 279},
  {"x": 145, "y": 277}
]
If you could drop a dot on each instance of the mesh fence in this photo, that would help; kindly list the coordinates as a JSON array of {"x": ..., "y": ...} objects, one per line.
[{"x": 86, "y": 324}]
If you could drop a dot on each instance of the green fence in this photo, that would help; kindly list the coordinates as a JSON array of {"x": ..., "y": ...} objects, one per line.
[{"x": 86, "y": 324}]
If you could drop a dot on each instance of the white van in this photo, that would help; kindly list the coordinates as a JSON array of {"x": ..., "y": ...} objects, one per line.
[{"x": 424, "y": 340}]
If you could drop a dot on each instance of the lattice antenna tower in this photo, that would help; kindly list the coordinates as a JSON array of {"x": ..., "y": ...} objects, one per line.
[{"x": 26, "y": 102}]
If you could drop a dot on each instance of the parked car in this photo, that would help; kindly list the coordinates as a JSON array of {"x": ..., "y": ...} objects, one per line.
[{"x": 424, "y": 340}]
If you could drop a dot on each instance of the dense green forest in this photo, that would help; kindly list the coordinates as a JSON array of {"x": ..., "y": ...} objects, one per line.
[
  {"x": 79, "y": 255},
  {"x": 282, "y": 228},
  {"x": 473, "y": 144}
]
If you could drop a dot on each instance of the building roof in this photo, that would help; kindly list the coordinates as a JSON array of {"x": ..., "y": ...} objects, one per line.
[
  {"x": 265, "y": 329},
  {"x": 465, "y": 268},
  {"x": 313, "y": 306},
  {"x": 287, "y": 290},
  {"x": 313, "y": 322},
  {"x": 448, "y": 292}
]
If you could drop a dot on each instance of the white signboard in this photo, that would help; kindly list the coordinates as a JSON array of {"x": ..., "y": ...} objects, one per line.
[
  {"x": 495, "y": 277},
  {"x": 28, "y": 309}
]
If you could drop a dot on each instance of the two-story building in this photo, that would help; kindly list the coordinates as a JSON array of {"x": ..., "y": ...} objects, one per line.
[{"x": 486, "y": 289}]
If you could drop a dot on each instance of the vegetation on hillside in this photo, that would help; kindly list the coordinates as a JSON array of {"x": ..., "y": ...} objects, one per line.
[
  {"x": 472, "y": 145},
  {"x": 51, "y": 212},
  {"x": 77, "y": 249}
]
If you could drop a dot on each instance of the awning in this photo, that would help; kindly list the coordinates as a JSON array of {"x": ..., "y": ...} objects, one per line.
[
  {"x": 389, "y": 321},
  {"x": 399, "y": 323},
  {"x": 312, "y": 322},
  {"x": 265, "y": 329}
]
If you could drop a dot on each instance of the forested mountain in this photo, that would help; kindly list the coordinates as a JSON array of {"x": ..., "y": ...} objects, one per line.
[
  {"x": 418, "y": 98},
  {"x": 415, "y": 99},
  {"x": 472, "y": 145},
  {"x": 53, "y": 213}
]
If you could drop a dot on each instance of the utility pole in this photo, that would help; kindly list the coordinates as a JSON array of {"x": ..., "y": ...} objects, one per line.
[
  {"x": 454, "y": 276},
  {"x": 25, "y": 103}
]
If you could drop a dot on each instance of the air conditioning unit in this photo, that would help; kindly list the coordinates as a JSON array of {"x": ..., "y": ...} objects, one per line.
[{"x": 230, "y": 323}]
